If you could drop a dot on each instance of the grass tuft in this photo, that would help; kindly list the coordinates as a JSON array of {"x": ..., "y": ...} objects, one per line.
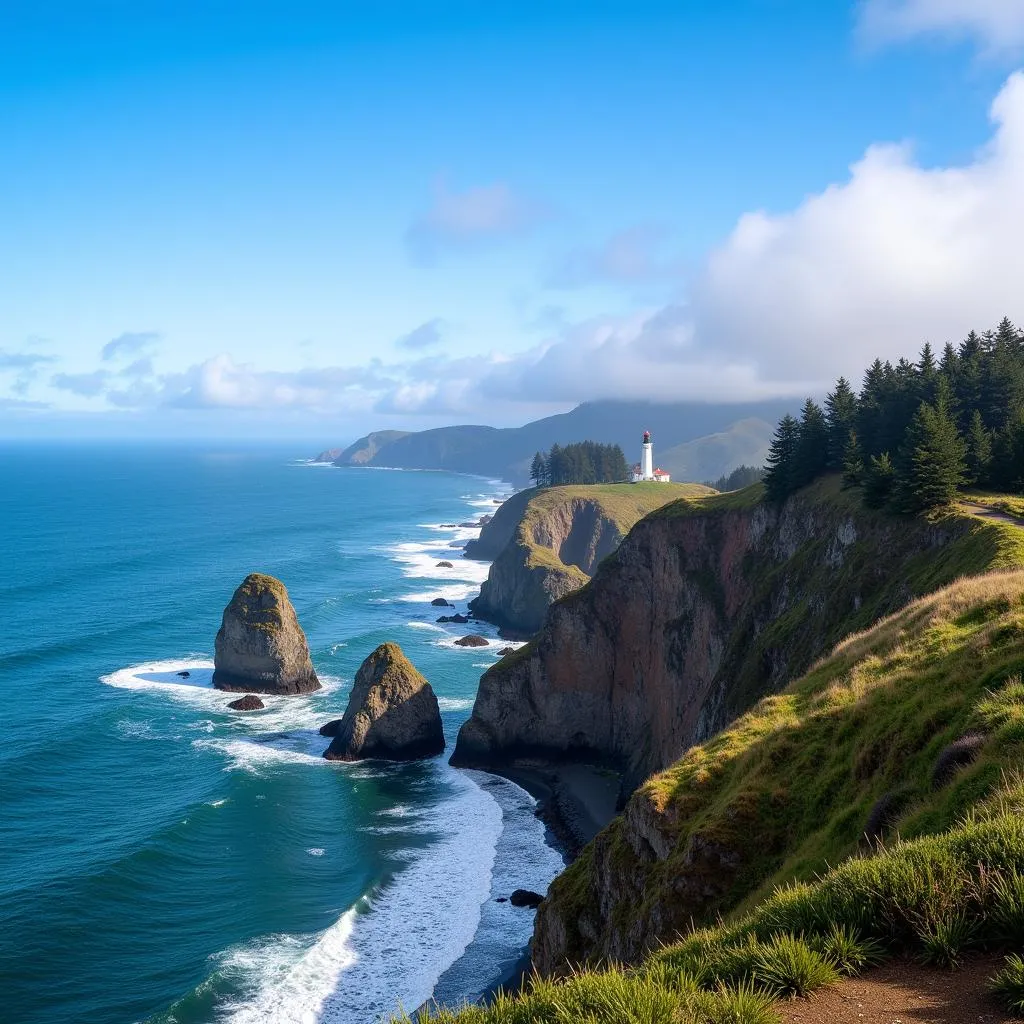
[{"x": 1008, "y": 985}]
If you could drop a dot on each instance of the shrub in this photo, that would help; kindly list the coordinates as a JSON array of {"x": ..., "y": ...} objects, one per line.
[
  {"x": 959, "y": 754},
  {"x": 1007, "y": 911},
  {"x": 1008, "y": 985}
]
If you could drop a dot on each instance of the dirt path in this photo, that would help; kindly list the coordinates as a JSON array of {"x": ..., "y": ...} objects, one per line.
[
  {"x": 905, "y": 993},
  {"x": 988, "y": 512}
]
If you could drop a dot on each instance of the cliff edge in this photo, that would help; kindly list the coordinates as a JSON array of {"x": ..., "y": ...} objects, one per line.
[
  {"x": 707, "y": 606},
  {"x": 547, "y": 542}
]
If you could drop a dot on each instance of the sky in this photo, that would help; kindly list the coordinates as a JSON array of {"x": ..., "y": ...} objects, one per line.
[{"x": 244, "y": 218}]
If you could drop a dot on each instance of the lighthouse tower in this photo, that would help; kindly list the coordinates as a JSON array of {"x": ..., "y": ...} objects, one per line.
[
  {"x": 647, "y": 458},
  {"x": 645, "y": 469}
]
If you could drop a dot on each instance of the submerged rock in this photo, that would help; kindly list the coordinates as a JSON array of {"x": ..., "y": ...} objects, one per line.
[
  {"x": 250, "y": 702},
  {"x": 260, "y": 645},
  {"x": 440, "y": 602},
  {"x": 473, "y": 640},
  {"x": 526, "y": 898},
  {"x": 444, "y": 565},
  {"x": 457, "y": 617},
  {"x": 392, "y": 713}
]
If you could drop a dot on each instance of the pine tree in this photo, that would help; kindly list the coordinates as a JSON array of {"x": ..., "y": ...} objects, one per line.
[
  {"x": 853, "y": 462},
  {"x": 841, "y": 414},
  {"x": 538, "y": 470},
  {"x": 779, "y": 479},
  {"x": 979, "y": 451},
  {"x": 878, "y": 480},
  {"x": 932, "y": 461},
  {"x": 927, "y": 374},
  {"x": 812, "y": 445}
]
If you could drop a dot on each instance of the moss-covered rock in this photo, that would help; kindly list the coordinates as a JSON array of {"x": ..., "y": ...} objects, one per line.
[
  {"x": 392, "y": 713},
  {"x": 260, "y": 645}
]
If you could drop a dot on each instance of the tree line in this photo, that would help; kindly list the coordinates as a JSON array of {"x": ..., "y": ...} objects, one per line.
[
  {"x": 741, "y": 476},
  {"x": 917, "y": 432},
  {"x": 585, "y": 462}
]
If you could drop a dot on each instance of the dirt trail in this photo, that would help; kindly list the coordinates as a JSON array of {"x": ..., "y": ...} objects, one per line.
[
  {"x": 988, "y": 512},
  {"x": 905, "y": 993}
]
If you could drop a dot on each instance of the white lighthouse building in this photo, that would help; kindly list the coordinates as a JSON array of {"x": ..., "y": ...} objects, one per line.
[{"x": 644, "y": 469}]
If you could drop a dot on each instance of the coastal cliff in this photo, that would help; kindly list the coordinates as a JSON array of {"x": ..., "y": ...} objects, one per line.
[
  {"x": 705, "y": 607},
  {"x": 547, "y": 542}
]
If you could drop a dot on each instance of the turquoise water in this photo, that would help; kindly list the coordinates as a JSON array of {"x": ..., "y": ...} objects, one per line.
[{"x": 165, "y": 859}]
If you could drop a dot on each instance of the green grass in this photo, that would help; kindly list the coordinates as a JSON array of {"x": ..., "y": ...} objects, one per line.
[
  {"x": 1008, "y": 985},
  {"x": 794, "y": 784}
]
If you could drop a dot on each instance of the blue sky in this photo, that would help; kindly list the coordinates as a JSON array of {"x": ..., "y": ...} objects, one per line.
[{"x": 309, "y": 219}]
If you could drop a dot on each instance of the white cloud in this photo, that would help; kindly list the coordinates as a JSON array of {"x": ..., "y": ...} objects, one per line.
[
  {"x": 897, "y": 255},
  {"x": 478, "y": 216},
  {"x": 998, "y": 25}
]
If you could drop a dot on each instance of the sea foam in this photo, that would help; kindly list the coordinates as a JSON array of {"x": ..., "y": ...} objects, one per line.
[{"x": 390, "y": 949}]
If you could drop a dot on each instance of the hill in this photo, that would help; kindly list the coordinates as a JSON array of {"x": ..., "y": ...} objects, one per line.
[
  {"x": 870, "y": 810},
  {"x": 720, "y": 437},
  {"x": 547, "y": 542}
]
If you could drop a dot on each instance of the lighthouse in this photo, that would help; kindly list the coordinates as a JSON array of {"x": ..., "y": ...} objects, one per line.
[{"x": 645, "y": 469}]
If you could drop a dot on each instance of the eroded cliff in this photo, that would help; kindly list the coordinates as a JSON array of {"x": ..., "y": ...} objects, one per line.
[{"x": 548, "y": 542}]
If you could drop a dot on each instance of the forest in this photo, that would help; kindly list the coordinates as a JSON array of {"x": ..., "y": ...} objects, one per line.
[
  {"x": 585, "y": 462},
  {"x": 917, "y": 433}
]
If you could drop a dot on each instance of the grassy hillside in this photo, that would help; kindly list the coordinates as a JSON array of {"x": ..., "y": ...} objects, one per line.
[
  {"x": 744, "y": 443},
  {"x": 872, "y": 808}
]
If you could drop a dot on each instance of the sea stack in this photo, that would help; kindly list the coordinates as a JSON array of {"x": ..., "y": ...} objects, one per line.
[
  {"x": 392, "y": 713},
  {"x": 260, "y": 646}
]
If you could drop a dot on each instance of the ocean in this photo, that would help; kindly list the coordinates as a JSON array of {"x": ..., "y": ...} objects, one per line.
[{"x": 164, "y": 859}]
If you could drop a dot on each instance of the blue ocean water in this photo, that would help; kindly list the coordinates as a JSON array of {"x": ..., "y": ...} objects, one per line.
[{"x": 165, "y": 859}]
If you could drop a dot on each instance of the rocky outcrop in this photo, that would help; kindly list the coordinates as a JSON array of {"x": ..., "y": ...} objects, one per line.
[
  {"x": 702, "y": 610},
  {"x": 260, "y": 646},
  {"x": 473, "y": 640},
  {"x": 250, "y": 702},
  {"x": 555, "y": 537},
  {"x": 392, "y": 713}
]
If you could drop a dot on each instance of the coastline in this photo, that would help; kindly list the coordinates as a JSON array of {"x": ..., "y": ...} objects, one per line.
[{"x": 575, "y": 802}]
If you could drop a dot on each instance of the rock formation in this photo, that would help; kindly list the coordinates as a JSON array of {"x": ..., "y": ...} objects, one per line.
[
  {"x": 392, "y": 713},
  {"x": 440, "y": 602},
  {"x": 260, "y": 646},
  {"x": 444, "y": 564},
  {"x": 250, "y": 702},
  {"x": 546, "y": 543},
  {"x": 473, "y": 640}
]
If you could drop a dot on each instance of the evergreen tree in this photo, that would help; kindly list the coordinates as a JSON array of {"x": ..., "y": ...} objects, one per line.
[
  {"x": 841, "y": 414},
  {"x": 979, "y": 451},
  {"x": 853, "y": 462},
  {"x": 1007, "y": 466},
  {"x": 927, "y": 374},
  {"x": 878, "y": 480},
  {"x": 812, "y": 445},
  {"x": 539, "y": 470},
  {"x": 932, "y": 461},
  {"x": 780, "y": 474}
]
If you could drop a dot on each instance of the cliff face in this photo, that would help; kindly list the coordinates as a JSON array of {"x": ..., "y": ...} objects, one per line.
[
  {"x": 705, "y": 607},
  {"x": 548, "y": 542}
]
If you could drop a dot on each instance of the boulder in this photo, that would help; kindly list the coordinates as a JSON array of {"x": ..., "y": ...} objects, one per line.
[
  {"x": 440, "y": 602},
  {"x": 444, "y": 565},
  {"x": 473, "y": 640},
  {"x": 506, "y": 650},
  {"x": 250, "y": 702},
  {"x": 392, "y": 713},
  {"x": 332, "y": 728},
  {"x": 260, "y": 646},
  {"x": 184, "y": 674},
  {"x": 457, "y": 617},
  {"x": 526, "y": 898}
]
